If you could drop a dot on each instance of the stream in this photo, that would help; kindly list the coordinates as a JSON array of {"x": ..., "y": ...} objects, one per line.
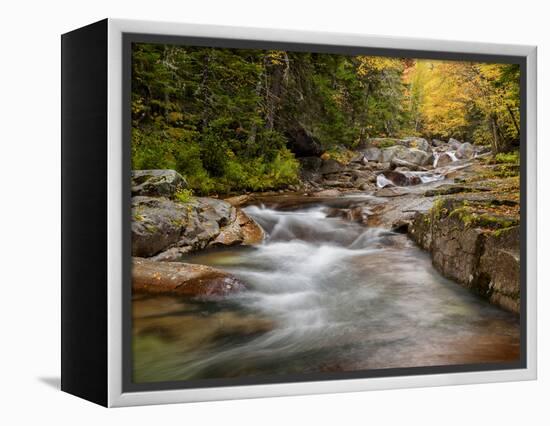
[{"x": 325, "y": 294}]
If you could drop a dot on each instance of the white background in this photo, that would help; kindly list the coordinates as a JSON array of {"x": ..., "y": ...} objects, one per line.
[{"x": 30, "y": 210}]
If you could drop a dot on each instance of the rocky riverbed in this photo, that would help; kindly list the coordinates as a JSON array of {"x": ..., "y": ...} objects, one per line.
[{"x": 330, "y": 264}]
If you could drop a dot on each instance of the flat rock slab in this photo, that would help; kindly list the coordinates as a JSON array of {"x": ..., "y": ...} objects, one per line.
[
  {"x": 181, "y": 279},
  {"x": 391, "y": 191}
]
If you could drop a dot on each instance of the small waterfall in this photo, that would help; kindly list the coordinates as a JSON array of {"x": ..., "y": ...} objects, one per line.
[
  {"x": 382, "y": 181},
  {"x": 437, "y": 155}
]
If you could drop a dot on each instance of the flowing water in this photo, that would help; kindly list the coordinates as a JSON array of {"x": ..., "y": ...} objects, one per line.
[{"x": 325, "y": 294}]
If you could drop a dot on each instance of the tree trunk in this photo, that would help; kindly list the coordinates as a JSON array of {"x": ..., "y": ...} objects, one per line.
[
  {"x": 495, "y": 145},
  {"x": 512, "y": 116},
  {"x": 203, "y": 91}
]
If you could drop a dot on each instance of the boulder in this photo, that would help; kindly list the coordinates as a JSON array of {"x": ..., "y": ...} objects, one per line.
[
  {"x": 389, "y": 153},
  {"x": 443, "y": 159},
  {"x": 382, "y": 166},
  {"x": 410, "y": 155},
  {"x": 157, "y": 183},
  {"x": 331, "y": 166},
  {"x": 373, "y": 154},
  {"x": 418, "y": 143},
  {"x": 465, "y": 151},
  {"x": 310, "y": 164},
  {"x": 242, "y": 231},
  {"x": 160, "y": 224},
  {"x": 402, "y": 178},
  {"x": 397, "y": 162},
  {"x": 365, "y": 175},
  {"x": 181, "y": 279},
  {"x": 454, "y": 144},
  {"x": 302, "y": 143},
  {"x": 359, "y": 158},
  {"x": 252, "y": 233},
  {"x": 156, "y": 224}
]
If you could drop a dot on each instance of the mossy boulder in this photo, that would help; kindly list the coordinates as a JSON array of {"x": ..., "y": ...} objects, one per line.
[
  {"x": 157, "y": 183},
  {"x": 167, "y": 228}
]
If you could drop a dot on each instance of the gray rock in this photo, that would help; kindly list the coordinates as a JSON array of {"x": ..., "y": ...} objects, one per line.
[
  {"x": 443, "y": 159},
  {"x": 160, "y": 224},
  {"x": 365, "y": 175},
  {"x": 418, "y": 143},
  {"x": 396, "y": 162},
  {"x": 402, "y": 178},
  {"x": 310, "y": 164},
  {"x": 373, "y": 154},
  {"x": 410, "y": 155},
  {"x": 465, "y": 151},
  {"x": 359, "y": 158},
  {"x": 157, "y": 182},
  {"x": 331, "y": 166},
  {"x": 454, "y": 144}
]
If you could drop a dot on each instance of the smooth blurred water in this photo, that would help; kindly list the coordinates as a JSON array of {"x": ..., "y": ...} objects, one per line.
[{"x": 324, "y": 294}]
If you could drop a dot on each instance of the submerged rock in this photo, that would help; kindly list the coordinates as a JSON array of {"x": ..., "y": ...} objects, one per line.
[
  {"x": 157, "y": 182},
  {"x": 181, "y": 279}
]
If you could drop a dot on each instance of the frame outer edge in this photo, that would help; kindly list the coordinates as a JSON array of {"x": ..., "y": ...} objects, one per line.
[
  {"x": 531, "y": 221},
  {"x": 116, "y": 398}
]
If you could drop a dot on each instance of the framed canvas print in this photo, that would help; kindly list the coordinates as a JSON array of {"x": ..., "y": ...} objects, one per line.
[{"x": 251, "y": 212}]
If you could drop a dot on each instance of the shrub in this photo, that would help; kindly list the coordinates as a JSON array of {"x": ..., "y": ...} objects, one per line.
[
  {"x": 184, "y": 195},
  {"x": 507, "y": 157}
]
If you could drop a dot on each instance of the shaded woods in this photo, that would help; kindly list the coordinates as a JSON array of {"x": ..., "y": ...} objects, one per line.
[{"x": 231, "y": 119}]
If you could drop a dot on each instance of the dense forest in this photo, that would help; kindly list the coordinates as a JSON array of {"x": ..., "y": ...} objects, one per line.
[{"x": 232, "y": 119}]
